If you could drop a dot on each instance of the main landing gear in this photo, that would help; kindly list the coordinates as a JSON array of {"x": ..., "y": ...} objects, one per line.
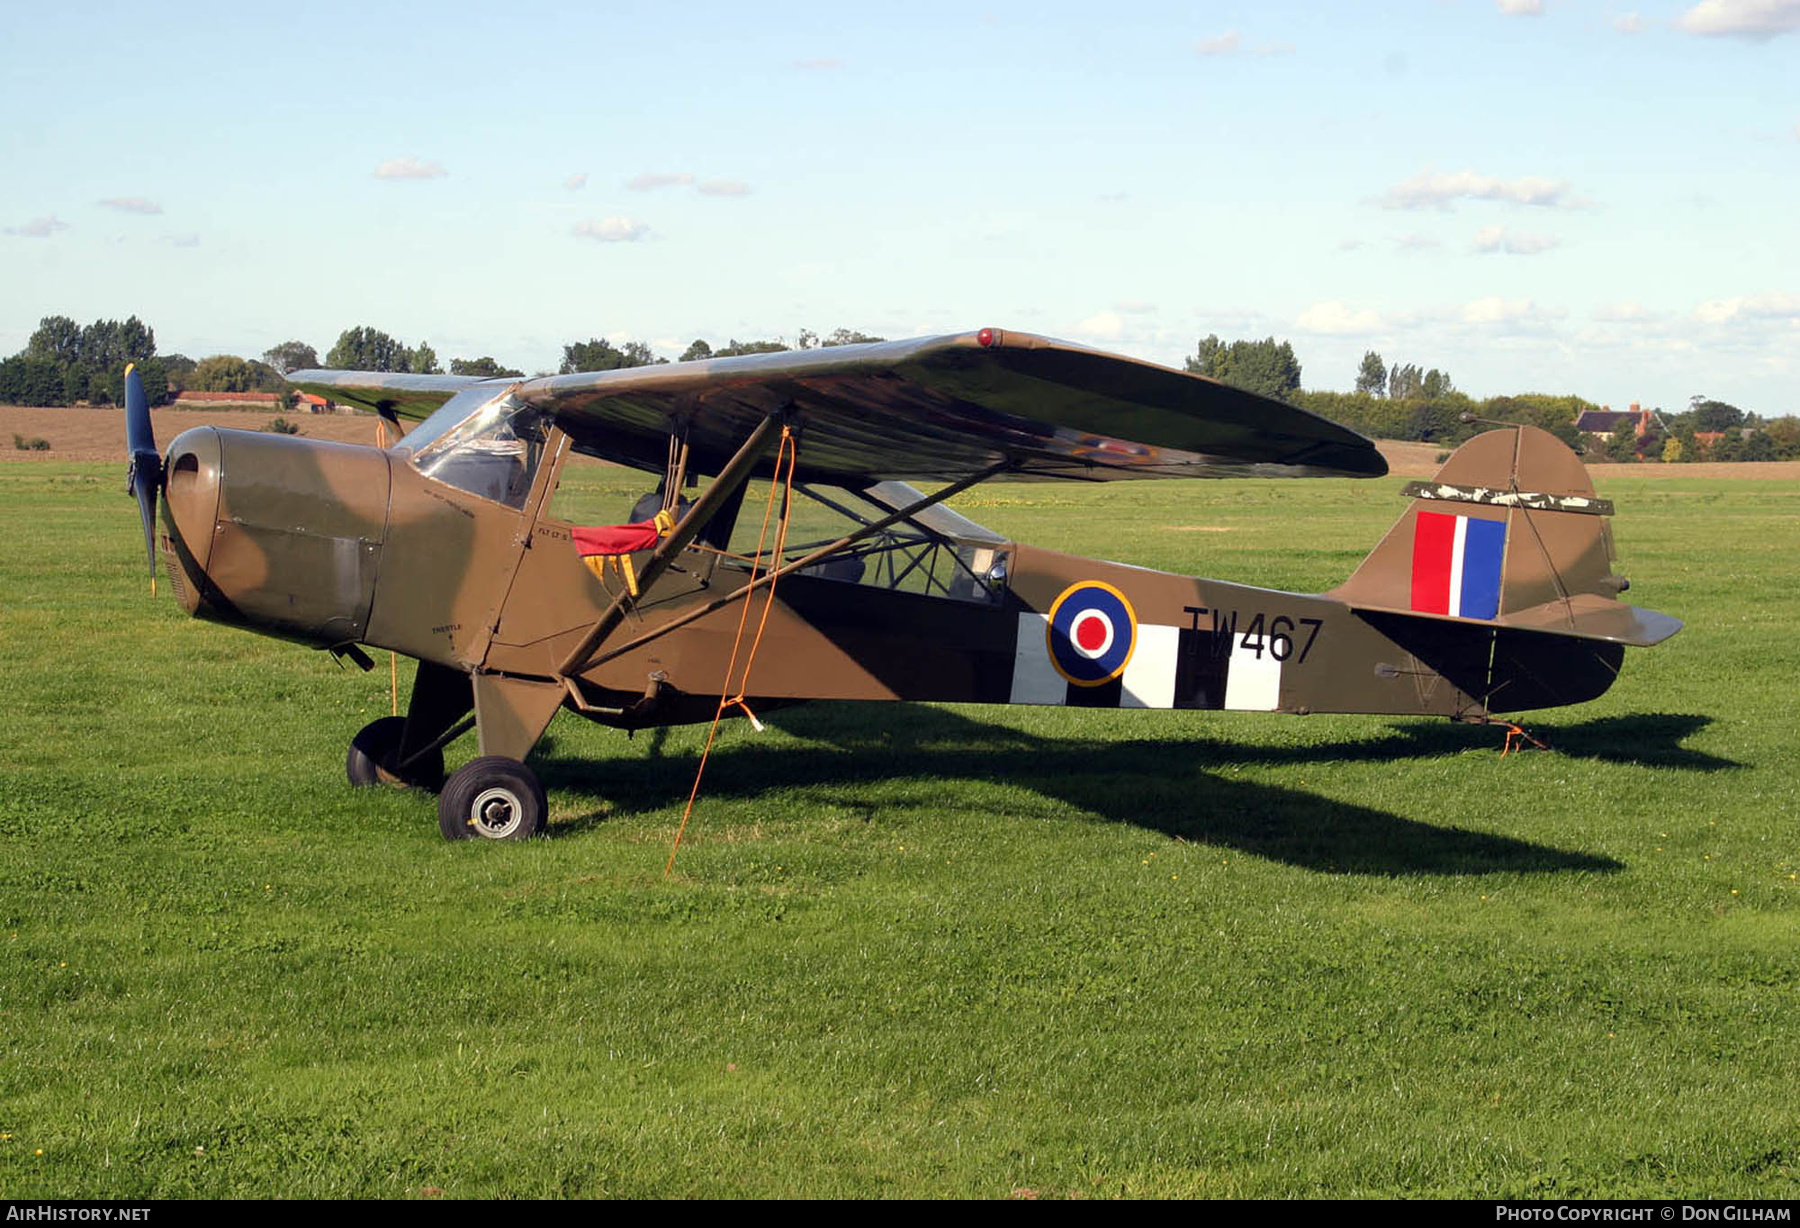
[
  {"x": 374, "y": 758},
  {"x": 493, "y": 797}
]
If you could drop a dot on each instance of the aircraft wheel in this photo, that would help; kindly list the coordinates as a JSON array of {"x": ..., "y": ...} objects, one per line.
[
  {"x": 374, "y": 750},
  {"x": 493, "y": 797}
]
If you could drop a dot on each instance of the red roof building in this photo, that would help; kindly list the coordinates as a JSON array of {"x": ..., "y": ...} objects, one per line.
[{"x": 1608, "y": 422}]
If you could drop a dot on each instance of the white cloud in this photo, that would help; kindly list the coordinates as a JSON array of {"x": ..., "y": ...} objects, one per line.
[
  {"x": 1230, "y": 321},
  {"x": 1757, "y": 20},
  {"x": 1494, "y": 310},
  {"x": 1513, "y": 243},
  {"x": 724, "y": 187},
  {"x": 824, "y": 63},
  {"x": 1338, "y": 318},
  {"x": 1349, "y": 245},
  {"x": 1772, "y": 305},
  {"x": 576, "y": 182},
  {"x": 1134, "y": 306},
  {"x": 38, "y": 228},
  {"x": 1429, "y": 190},
  {"x": 131, "y": 204},
  {"x": 409, "y": 168},
  {"x": 190, "y": 239},
  {"x": 1104, "y": 325},
  {"x": 652, "y": 180},
  {"x": 612, "y": 230},
  {"x": 1232, "y": 41},
  {"x": 1630, "y": 23},
  {"x": 1623, "y": 312},
  {"x": 1416, "y": 243},
  {"x": 1521, "y": 8}
]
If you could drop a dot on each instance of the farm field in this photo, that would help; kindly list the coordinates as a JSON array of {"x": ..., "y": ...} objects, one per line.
[{"x": 909, "y": 951}]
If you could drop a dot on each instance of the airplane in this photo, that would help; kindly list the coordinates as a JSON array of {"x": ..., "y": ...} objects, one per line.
[{"x": 1492, "y": 594}]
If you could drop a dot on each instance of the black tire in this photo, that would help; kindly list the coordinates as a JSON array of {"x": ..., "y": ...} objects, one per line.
[
  {"x": 374, "y": 750},
  {"x": 493, "y": 797}
]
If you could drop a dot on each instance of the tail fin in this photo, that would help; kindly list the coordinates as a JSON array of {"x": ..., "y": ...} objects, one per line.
[{"x": 1508, "y": 534}]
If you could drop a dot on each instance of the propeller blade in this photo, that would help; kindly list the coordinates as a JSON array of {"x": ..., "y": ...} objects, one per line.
[
  {"x": 145, "y": 476},
  {"x": 139, "y": 437}
]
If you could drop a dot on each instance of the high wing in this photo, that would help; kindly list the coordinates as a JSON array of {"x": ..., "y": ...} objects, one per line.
[{"x": 925, "y": 409}]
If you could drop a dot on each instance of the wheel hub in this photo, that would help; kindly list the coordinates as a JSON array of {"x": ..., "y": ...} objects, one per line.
[{"x": 495, "y": 812}]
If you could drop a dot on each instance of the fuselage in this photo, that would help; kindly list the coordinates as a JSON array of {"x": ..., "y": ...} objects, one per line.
[{"x": 334, "y": 545}]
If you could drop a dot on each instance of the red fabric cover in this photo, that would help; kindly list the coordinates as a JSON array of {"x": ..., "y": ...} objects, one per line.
[{"x": 614, "y": 538}]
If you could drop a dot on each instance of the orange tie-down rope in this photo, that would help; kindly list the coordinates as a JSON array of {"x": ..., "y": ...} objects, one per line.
[
  {"x": 787, "y": 452},
  {"x": 1517, "y": 738}
]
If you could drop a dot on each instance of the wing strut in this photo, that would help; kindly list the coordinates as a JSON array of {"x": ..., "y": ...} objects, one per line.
[
  {"x": 770, "y": 577},
  {"x": 730, "y": 480}
]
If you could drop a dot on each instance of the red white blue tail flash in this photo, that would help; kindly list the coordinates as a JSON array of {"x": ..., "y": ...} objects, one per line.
[{"x": 1457, "y": 562}]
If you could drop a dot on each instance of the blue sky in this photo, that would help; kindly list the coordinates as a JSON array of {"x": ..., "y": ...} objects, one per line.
[{"x": 1535, "y": 195}]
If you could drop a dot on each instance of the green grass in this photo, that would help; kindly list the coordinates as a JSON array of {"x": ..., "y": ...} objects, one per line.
[{"x": 908, "y": 950}]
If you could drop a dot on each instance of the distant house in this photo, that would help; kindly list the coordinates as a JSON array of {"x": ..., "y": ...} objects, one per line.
[
  {"x": 1606, "y": 422},
  {"x": 311, "y": 403}
]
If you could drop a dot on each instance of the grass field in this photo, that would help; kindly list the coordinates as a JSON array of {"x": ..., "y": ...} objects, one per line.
[{"x": 909, "y": 951}]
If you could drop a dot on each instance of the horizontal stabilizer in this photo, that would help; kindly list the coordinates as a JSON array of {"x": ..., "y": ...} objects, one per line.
[
  {"x": 1586, "y": 617},
  {"x": 1590, "y": 617}
]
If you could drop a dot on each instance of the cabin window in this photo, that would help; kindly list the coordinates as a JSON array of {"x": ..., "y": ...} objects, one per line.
[
  {"x": 937, "y": 552},
  {"x": 493, "y": 453}
]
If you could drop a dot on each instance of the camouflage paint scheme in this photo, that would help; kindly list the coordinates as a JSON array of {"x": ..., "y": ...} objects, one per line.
[{"x": 335, "y": 545}]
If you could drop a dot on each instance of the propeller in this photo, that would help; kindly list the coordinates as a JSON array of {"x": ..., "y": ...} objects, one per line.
[{"x": 145, "y": 476}]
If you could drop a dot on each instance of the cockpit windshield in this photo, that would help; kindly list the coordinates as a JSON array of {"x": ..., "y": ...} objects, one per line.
[{"x": 493, "y": 452}]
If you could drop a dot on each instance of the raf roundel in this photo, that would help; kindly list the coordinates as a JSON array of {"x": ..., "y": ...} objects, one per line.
[{"x": 1092, "y": 631}]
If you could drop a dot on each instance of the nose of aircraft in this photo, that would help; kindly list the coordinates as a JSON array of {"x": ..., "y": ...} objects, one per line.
[
  {"x": 190, "y": 509},
  {"x": 275, "y": 533}
]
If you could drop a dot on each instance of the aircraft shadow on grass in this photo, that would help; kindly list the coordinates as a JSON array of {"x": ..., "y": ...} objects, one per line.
[{"x": 1159, "y": 783}]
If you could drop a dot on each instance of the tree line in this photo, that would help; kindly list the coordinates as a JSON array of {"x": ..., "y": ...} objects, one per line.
[
  {"x": 1405, "y": 401},
  {"x": 369, "y": 349},
  {"x": 65, "y": 363}
]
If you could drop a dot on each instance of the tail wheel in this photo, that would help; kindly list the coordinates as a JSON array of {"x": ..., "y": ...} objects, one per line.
[
  {"x": 375, "y": 752},
  {"x": 492, "y": 797}
]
